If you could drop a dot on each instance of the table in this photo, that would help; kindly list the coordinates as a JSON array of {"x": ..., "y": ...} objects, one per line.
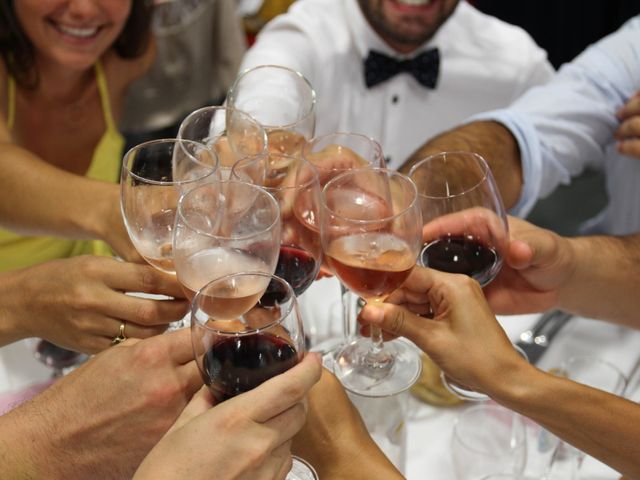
[{"x": 429, "y": 428}]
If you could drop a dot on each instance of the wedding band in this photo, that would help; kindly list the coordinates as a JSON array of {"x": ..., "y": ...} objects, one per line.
[{"x": 121, "y": 337}]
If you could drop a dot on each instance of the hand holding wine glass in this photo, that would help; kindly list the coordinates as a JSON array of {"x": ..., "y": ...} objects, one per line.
[
  {"x": 246, "y": 328},
  {"x": 371, "y": 236}
]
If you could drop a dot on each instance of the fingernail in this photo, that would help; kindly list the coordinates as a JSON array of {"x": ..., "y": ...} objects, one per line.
[{"x": 373, "y": 314}]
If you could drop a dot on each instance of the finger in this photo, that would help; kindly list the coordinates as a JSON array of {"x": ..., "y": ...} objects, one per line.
[
  {"x": 143, "y": 311},
  {"x": 631, "y": 108},
  {"x": 111, "y": 329},
  {"x": 200, "y": 403},
  {"x": 132, "y": 277},
  {"x": 282, "y": 391},
  {"x": 177, "y": 345},
  {"x": 630, "y": 147},
  {"x": 398, "y": 321},
  {"x": 629, "y": 128},
  {"x": 282, "y": 458},
  {"x": 190, "y": 374},
  {"x": 287, "y": 424}
]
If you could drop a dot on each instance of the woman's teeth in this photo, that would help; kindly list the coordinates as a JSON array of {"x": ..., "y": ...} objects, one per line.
[{"x": 78, "y": 32}]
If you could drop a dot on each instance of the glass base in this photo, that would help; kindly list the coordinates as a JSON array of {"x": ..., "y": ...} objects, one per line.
[
  {"x": 301, "y": 470},
  {"x": 394, "y": 371}
]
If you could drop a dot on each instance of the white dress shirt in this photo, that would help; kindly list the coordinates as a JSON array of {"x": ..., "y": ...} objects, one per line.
[
  {"x": 485, "y": 64},
  {"x": 568, "y": 124}
]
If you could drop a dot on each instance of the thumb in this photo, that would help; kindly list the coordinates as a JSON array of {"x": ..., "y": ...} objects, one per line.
[{"x": 398, "y": 321}]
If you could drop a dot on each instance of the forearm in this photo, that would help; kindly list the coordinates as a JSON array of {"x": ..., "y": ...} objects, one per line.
[
  {"x": 39, "y": 199},
  {"x": 12, "y": 309},
  {"x": 600, "y": 424},
  {"x": 604, "y": 283},
  {"x": 493, "y": 142},
  {"x": 18, "y": 445}
]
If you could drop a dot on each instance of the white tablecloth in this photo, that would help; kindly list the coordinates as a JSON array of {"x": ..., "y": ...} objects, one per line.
[{"x": 429, "y": 428}]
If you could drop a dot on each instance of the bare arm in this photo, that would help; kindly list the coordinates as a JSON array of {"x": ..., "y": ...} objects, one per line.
[
  {"x": 39, "y": 199},
  {"x": 493, "y": 142}
]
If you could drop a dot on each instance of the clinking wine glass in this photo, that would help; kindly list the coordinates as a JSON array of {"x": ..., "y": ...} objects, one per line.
[
  {"x": 233, "y": 134},
  {"x": 293, "y": 182},
  {"x": 331, "y": 155},
  {"x": 223, "y": 228},
  {"x": 245, "y": 329},
  {"x": 465, "y": 224},
  {"x": 282, "y": 100},
  {"x": 154, "y": 176},
  {"x": 370, "y": 226}
]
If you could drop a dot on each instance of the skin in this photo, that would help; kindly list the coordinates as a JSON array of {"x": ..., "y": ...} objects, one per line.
[
  {"x": 403, "y": 27},
  {"x": 102, "y": 419},
  {"x": 628, "y": 133},
  {"x": 542, "y": 270},
  {"x": 82, "y": 309},
  {"x": 66, "y": 101},
  {"x": 335, "y": 440},
  {"x": 257, "y": 428}
]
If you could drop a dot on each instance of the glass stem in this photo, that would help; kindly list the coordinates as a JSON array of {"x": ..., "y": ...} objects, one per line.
[
  {"x": 377, "y": 343},
  {"x": 345, "y": 297}
]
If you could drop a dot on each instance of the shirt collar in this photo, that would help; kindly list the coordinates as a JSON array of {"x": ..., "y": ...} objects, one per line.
[{"x": 365, "y": 37}]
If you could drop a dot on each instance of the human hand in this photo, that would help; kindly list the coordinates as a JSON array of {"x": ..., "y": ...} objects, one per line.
[
  {"x": 536, "y": 267},
  {"x": 451, "y": 338},
  {"x": 79, "y": 303},
  {"x": 628, "y": 133},
  {"x": 102, "y": 419},
  {"x": 335, "y": 440},
  {"x": 255, "y": 429}
]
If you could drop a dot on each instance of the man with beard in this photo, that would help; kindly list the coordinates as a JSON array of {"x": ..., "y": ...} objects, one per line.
[{"x": 400, "y": 70}]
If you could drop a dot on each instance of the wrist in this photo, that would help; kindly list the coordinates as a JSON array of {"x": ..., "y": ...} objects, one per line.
[{"x": 14, "y": 310}]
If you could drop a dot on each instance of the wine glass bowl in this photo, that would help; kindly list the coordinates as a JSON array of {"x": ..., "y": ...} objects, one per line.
[
  {"x": 154, "y": 175},
  {"x": 466, "y": 228},
  {"x": 282, "y": 100},
  {"x": 233, "y": 134},
  {"x": 223, "y": 228},
  {"x": 371, "y": 235},
  {"x": 293, "y": 182}
]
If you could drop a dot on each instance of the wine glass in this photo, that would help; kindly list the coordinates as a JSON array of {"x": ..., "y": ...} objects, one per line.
[
  {"x": 154, "y": 175},
  {"x": 233, "y": 134},
  {"x": 465, "y": 224},
  {"x": 282, "y": 100},
  {"x": 293, "y": 182},
  {"x": 245, "y": 329},
  {"x": 223, "y": 228},
  {"x": 594, "y": 372},
  {"x": 370, "y": 226},
  {"x": 331, "y": 155}
]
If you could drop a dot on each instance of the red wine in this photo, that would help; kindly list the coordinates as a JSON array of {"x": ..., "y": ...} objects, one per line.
[
  {"x": 297, "y": 266},
  {"x": 238, "y": 364},
  {"x": 372, "y": 265},
  {"x": 461, "y": 254}
]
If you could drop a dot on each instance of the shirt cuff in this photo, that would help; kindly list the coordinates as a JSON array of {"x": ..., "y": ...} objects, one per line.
[{"x": 530, "y": 155}]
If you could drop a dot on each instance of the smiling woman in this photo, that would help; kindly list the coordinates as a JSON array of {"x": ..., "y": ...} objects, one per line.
[{"x": 65, "y": 66}]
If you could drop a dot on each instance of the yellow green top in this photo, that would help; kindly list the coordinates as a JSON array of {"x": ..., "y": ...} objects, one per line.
[{"x": 17, "y": 251}]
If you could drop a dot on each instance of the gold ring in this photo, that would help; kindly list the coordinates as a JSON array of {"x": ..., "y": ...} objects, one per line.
[{"x": 121, "y": 337}]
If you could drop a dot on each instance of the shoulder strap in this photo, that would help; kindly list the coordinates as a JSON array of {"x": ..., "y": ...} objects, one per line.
[
  {"x": 11, "y": 102},
  {"x": 104, "y": 95}
]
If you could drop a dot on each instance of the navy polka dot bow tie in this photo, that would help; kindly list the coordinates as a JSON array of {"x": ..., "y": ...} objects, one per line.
[{"x": 379, "y": 67}]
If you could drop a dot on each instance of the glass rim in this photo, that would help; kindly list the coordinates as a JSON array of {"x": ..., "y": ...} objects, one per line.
[
  {"x": 389, "y": 218},
  {"x": 482, "y": 162},
  {"x": 213, "y": 169},
  {"x": 315, "y": 140},
  {"x": 281, "y": 318},
  {"x": 232, "y": 92},
  {"x": 515, "y": 416},
  {"x": 260, "y": 190},
  {"x": 201, "y": 110}
]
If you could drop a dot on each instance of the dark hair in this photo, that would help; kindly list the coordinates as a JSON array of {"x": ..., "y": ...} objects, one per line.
[{"x": 18, "y": 54}]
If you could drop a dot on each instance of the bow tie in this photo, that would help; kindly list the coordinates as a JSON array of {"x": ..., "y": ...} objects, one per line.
[{"x": 379, "y": 67}]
